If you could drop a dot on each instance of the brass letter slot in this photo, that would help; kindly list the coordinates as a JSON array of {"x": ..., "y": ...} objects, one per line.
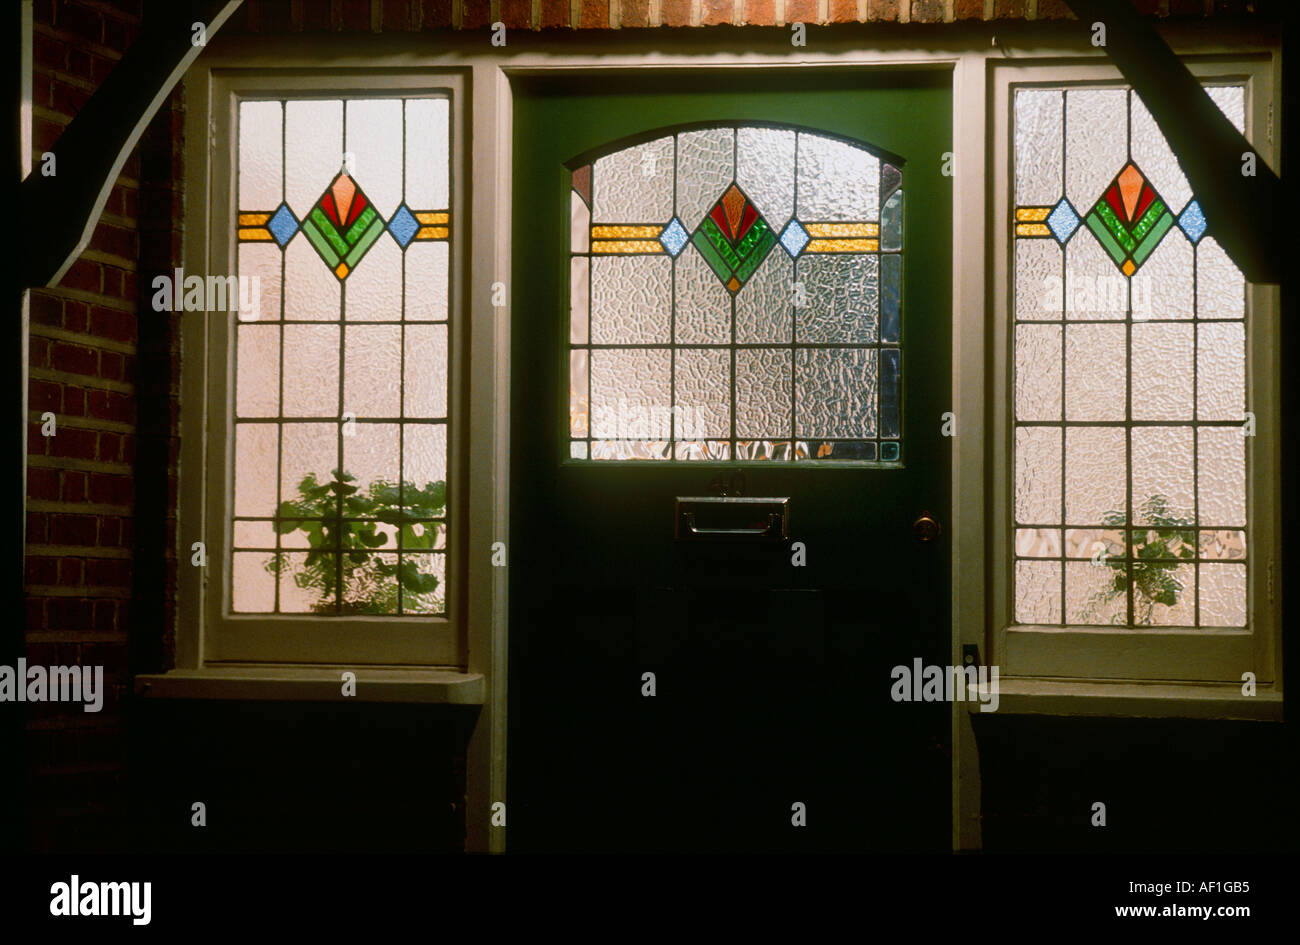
[{"x": 731, "y": 518}]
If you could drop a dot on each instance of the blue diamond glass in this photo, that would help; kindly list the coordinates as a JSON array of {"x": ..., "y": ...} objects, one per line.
[
  {"x": 674, "y": 237},
  {"x": 1193, "y": 221},
  {"x": 403, "y": 226},
  {"x": 1062, "y": 221},
  {"x": 795, "y": 238},
  {"x": 283, "y": 225}
]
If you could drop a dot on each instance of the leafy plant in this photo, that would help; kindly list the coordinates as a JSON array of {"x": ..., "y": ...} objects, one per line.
[
  {"x": 347, "y": 561},
  {"x": 1160, "y": 549}
]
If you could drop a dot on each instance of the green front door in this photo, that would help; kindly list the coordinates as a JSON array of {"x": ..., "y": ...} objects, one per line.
[{"x": 771, "y": 660}]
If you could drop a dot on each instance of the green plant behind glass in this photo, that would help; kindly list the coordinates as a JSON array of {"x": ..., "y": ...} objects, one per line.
[
  {"x": 1167, "y": 541},
  {"x": 342, "y": 563}
]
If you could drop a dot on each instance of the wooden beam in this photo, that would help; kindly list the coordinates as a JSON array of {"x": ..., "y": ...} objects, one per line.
[
  {"x": 1242, "y": 211},
  {"x": 63, "y": 209}
]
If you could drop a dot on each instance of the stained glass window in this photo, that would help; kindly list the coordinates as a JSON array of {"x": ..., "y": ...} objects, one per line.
[
  {"x": 340, "y": 406},
  {"x": 736, "y": 294},
  {"x": 1129, "y": 359}
]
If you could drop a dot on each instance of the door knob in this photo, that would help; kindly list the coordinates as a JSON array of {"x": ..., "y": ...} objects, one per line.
[{"x": 926, "y": 528}]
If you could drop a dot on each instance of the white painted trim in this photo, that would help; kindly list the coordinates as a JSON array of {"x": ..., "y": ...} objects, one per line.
[{"x": 259, "y": 682}]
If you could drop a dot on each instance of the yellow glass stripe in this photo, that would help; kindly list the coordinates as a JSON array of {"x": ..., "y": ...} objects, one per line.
[
  {"x": 431, "y": 233},
  {"x": 624, "y": 232},
  {"x": 248, "y": 234},
  {"x": 1033, "y": 214},
  {"x": 1032, "y": 229},
  {"x": 428, "y": 217},
  {"x": 842, "y": 230},
  {"x": 842, "y": 246},
  {"x": 627, "y": 246},
  {"x": 253, "y": 219}
]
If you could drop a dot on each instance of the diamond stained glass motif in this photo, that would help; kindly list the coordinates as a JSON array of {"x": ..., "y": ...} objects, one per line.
[
  {"x": 795, "y": 238},
  {"x": 1192, "y": 220},
  {"x": 674, "y": 237},
  {"x": 1129, "y": 219},
  {"x": 1063, "y": 221},
  {"x": 403, "y": 226},
  {"x": 342, "y": 225},
  {"x": 733, "y": 238}
]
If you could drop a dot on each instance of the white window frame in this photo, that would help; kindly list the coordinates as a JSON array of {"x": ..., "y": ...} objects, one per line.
[{"x": 1214, "y": 655}]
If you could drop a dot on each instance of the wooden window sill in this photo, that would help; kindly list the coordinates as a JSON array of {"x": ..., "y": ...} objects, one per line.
[
  {"x": 1026, "y": 695},
  {"x": 316, "y": 684}
]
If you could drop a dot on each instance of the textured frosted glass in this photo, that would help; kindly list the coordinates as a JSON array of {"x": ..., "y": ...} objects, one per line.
[
  {"x": 304, "y": 448},
  {"x": 435, "y": 602},
  {"x": 842, "y": 299},
  {"x": 703, "y": 302},
  {"x": 629, "y": 449},
  {"x": 425, "y": 372},
  {"x": 1162, "y": 288},
  {"x": 252, "y": 586},
  {"x": 1231, "y": 100},
  {"x": 705, "y": 168},
  {"x": 1089, "y": 597},
  {"x": 1221, "y": 472},
  {"x": 1038, "y": 475},
  {"x": 835, "y": 392},
  {"x": 255, "y": 446},
  {"x": 1038, "y": 147},
  {"x": 1221, "y": 371},
  {"x": 260, "y": 155},
  {"x": 373, "y": 136},
  {"x": 1230, "y": 545},
  {"x": 1094, "y": 288},
  {"x": 763, "y": 449},
  {"x": 1223, "y": 595},
  {"x": 836, "y": 181},
  {"x": 371, "y": 454},
  {"x": 260, "y": 261},
  {"x": 1040, "y": 292},
  {"x": 311, "y": 292},
  {"x": 630, "y": 393},
  {"x": 1163, "y": 466},
  {"x": 313, "y": 148},
  {"x": 298, "y": 600},
  {"x": 1038, "y": 592},
  {"x": 703, "y": 450},
  {"x": 764, "y": 306},
  {"x": 1162, "y": 371},
  {"x": 631, "y": 300},
  {"x": 1094, "y": 474},
  {"x": 426, "y": 282},
  {"x": 765, "y": 160},
  {"x": 1152, "y": 153},
  {"x": 579, "y": 287},
  {"x": 311, "y": 371},
  {"x": 426, "y": 153},
  {"x": 372, "y": 359},
  {"x": 634, "y": 185},
  {"x": 257, "y": 387},
  {"x": 703, "y": 389},
  {"x": 578, "y": 409},
  {"x": 1220, "y": 286},
  {"x": 1096, "y": 126},
  {"x": 577, "y": 450},
  {"x": 891, "y": 223},
  {"x": 424, "y": 453},
  {"x": 1038, "y": 372},
  {"x": 579, "y": 224},
  {"x": 1038, "y": 542},
  {"x": 375, "y": 285},
  {"x": 1086, "y": 542},
  {"x": 763, "y": 392},
  {"x": 258, "y": 535},
  {"x": 891, "y": 298},
  {"x": 1182, "y": 614},
  {"x": 1094, "y": 372}
]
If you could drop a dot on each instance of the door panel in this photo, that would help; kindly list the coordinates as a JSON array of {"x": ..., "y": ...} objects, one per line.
[{"x": 772, "y": 680}]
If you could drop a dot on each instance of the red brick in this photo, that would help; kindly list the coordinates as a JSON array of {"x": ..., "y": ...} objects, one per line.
[
  {"x": 117, "y": 240},
  {"x": 41, "y": 570},
  {"x": 73, "y": 443},
  {"x": 276, "y": 17},
  {"x": 760, "y": 12},
  {"x": 48, "y": 52},
  {"x": 37, "y": 529},
  {"x": 71, "y": 573},
  {"x": 118, "y": 34},
  {"x": 74, "y": 486},
  {"x": 843, "y": 11},
  {"x": 517, "y": 14},
  {"x": 801, "y": 11},
  {"x": 475, "y": 14},
  {"x": 554, "y": 14},
  {"x": 1008, "y": 9},
  {"x": 79, "y": 21},
  {"x": 76, "y": 315},
  {"x": 436, "y": 14},
  {"x": 129, "y": 280},
  {"x": 316, "y": 17},
  {"x": 1186, "y": 8},
  {"x": 43, "y": 484},
  {"x": 68, "y": 613},
  {"x": 106, "y": 489},
  {"x": 108, "y": 572},
  {"x": 38, "y": 352},
  {"x": 927, "y": 11},
  {"x": 110, "y": 448},
  {"x": 356, "y": 16},
  {"x": 715, "y": 12},
  {"x": 112, "y": 323},
  {"x": 66, "y": 529},
  {"x": 676, "y": 13},
  {"x": 879, "y": 10},
  {"x": 105, "y": 615},
  {"x": 1143, "y": 6},
  {"x": 634, "y": 13},
  {"x": 46, "y": 309},
  {"x": 74, "y": 400},
  {"x": 76, "y": 359},
  {"x": 593, "y": 14},
  {"x": 1054, "y": 10},
  {"x": 111, "y": 366},
  {"x": 67, "y": 99},
  {"x": 110, "y": 531},
  {"x": 83, "y": 274},
  {"x": 44, "y": 395},
  {"x": 99, "y": 70}
]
